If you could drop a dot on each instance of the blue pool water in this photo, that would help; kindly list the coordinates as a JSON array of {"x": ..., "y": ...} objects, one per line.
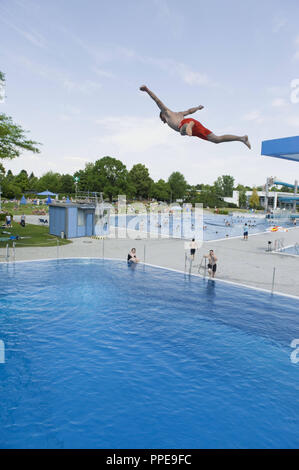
[
  {"x": 216, "y": 226},
  {"x": 291, "y": 250},
  {"x": 106, "y": 356}
]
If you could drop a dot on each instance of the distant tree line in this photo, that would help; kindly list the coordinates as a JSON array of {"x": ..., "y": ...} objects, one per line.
[{"x": 111, "y": 177}]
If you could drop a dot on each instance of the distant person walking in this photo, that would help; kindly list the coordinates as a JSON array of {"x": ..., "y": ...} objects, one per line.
[
  {"x": 212, "y": 263},
  {"x": 8, "y": 220},
  {"x": 193, "y": 248},
  {"x": 245, "y": 232},
  {"x": 23, "y": 220}
]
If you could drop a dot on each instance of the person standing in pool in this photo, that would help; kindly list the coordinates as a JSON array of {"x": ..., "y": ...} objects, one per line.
[
  {"x": 189, "y": 126},
  {"x": 245, "y": 232},
  {"x": 212, "y": 263}
]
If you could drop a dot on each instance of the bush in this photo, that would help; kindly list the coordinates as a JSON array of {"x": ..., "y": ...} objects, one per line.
[{"x": 222, "y": 212}]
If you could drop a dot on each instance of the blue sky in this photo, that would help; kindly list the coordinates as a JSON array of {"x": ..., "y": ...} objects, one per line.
[{"x": 74, "y": 68}]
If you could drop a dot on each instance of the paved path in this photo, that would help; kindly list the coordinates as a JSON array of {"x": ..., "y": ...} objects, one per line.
[{"x": 244, "y": 262}]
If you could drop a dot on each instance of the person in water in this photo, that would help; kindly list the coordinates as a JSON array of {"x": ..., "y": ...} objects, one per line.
[
  {"x": 190, "y": 126},
  {"x": 132, "y": 258},
  {"x": 212, "y": 263}
]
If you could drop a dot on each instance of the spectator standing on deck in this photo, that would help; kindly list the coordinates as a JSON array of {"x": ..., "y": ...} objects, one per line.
[
  {"x": 245, "y": 232},
  {"x": 193, "y": 248}
]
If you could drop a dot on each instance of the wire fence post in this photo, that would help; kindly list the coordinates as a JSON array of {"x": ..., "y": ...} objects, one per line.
[
  {"x": 14, "y": 250},
  {"x": 7, "y": 252},
  {"x": 273, "y": 280}
]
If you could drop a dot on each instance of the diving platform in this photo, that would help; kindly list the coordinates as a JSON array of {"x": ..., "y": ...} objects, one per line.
[{"x": 286, "y": 148}]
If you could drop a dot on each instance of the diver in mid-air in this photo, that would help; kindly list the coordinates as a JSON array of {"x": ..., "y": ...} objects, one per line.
[{"x": 190, "y": 126}]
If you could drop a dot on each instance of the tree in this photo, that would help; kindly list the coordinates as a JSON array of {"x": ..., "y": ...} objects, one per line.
[
  {"x": 49, "y": 181},
  {"x": 140, "y": 178},
  {"x": 67, "y": 184},
  {"x": 160, "y": 190},
  {"x": 12, "y": 137},
  {"x": 22, "y": 180},
  {"x": 110, "y": 176},
  {"x": 178, "y": 185},
  {"x": 254, "y": 200},
  {"x": 224, "y": 185}
]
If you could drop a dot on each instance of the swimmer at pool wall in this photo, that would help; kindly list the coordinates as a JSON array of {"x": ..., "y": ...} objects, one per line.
[{"x": 132, "y": 258}]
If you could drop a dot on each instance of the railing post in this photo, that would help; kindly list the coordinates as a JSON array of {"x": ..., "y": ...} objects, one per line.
[
  {"x": 14, "y": 250},
  {"x": 273, "y": 280},
  {"x": 57, "y": 247},
  {"x": 7, "y": 252}
]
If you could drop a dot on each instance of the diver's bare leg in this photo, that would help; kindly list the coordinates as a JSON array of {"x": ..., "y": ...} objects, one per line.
[{"x": 218, "y": 139}]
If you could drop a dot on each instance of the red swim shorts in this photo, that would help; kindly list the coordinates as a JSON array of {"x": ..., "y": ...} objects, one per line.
[{"x": 198, "y": 129}]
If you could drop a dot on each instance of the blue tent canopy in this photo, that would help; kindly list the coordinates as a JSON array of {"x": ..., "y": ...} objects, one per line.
[
  {"x": 48, "y": 201},
  {"x": 23, "y": 200},
  {"x": 46, "y": 193}
]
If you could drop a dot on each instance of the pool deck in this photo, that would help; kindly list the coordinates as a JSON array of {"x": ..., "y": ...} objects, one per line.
[{"x": 239, "y": 261}]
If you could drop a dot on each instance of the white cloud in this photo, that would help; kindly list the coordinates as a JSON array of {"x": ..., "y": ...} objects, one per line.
[
  {"x": 293, "y": 121},
  {"x": 296, "y": 55},
  {"x": 279, "y": 103},
  {"x": 255, "y": 116},
  {"x": 85, "y": 87},
  {"x": 30, "y": 35},
  {"x": 278, "y": 23}
]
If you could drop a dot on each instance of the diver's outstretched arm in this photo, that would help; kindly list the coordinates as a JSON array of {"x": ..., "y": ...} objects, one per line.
[
  {"x": 192, "y": 110},
  {"x": 154, "y": 97}
]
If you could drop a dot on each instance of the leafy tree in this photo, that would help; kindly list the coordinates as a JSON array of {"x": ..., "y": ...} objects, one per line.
[
  {"x": 22, "y": 180},
  {"x": 224, "y": 185},
  {"x": 254, "y": 200},
  {"x": 140, "y": 178},
  {"x": 160, "y": 190},
  {"x": 49, "y": 181},
  {"x": 12, "y": 137},
  {"x": 110, "y": 176},
  {"x": 67, "y": 184},
  {"x": 178, "y": 185}
]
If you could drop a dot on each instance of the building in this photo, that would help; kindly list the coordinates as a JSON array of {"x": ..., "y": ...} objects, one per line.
[{"x": 71, "y": 220}]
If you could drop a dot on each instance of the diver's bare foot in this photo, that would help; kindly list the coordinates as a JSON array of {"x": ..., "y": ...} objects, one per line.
[{"x": 246, "y": 141}]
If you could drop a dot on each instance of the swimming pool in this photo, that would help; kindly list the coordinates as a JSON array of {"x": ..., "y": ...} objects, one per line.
[
  {"x": 102, "y": 355},
  {"x": 291, "y": 250},
  {"x": 212, "y": 226}
]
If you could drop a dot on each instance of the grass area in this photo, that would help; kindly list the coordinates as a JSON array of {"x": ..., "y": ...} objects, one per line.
[
  {"x": 27, "y": 209},
  {"x": 34, "y": 235}
]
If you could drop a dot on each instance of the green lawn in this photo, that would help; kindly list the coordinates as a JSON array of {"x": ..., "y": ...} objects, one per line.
[
  {"x": 27, "y": 209},
  {"x": 35, "y": 235}
]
